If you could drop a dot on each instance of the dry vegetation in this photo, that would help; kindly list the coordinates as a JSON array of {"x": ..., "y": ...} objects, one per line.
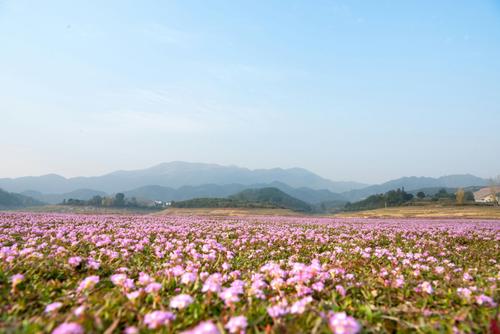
[
  {"x": 436, "y": 211},
  {"x": 227, "y": 212}
]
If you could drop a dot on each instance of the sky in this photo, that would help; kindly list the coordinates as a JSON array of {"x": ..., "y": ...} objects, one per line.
[{"x": 352, "y": 90}]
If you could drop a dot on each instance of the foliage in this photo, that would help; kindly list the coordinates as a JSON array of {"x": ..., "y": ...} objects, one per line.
[
  {"x": 220, "y": 203},
  {"x": 118, "y": 201},
  {"x": 389, "y": 199},
  {"x": 272, "y": 196}
]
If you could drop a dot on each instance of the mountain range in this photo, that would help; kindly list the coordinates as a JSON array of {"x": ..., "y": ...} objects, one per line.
[
  {"x": 182, "y": 180},
  {"x": 176, "y": 174}
]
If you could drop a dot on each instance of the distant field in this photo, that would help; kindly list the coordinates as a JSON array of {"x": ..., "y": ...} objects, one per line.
[
  {"x": 483, "y": 212},
  {"x": 85, "y": 210},
  {"x": 435, "y": 211},
  {"x": 227, "y": 212}
]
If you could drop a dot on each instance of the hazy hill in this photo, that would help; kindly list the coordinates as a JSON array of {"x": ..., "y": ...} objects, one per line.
[
  {"x": 413, "y": 183},
  {"x": 176, "y": 175},
  {"x": 308, "y": 195},
  {"x": 14, "y": 201},
  {"x": 80, "y": 194}
]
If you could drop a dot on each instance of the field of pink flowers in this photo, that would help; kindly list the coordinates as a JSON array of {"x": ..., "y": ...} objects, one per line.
[{"x": 138, "y": 274}]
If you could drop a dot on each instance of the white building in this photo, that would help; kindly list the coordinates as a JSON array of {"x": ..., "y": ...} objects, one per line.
[{"x": 485, "y": 195}]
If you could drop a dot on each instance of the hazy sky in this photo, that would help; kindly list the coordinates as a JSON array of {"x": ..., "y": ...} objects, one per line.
[{"x": 352, "y": 90}]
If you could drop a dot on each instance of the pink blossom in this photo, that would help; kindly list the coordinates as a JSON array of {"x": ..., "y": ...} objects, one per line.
[
  {"x": 131, "y": 330},
  {"x": 16, "y": 279},
  {"x": 465, "y": 293},
  {"x": 68, "y": 328},
  {"x": 118, "y": 279},
  {"x": 299, "y": 306},
  {"x": 206, "y": 327},
  {"x": 157, "y": 319},
  {"x": 483, "y": 299},
  {"x": 74, "y": 261},
  {"x": 188, "y": 278},
  {"x": 53, "y": 307},
  {"x": 88, "y": 283},
  {"x": 181, "y": 301},
  {"x": 341, "y": 323},
  {"x": 277, "y": 311},
  {"x": 425, "y": 287},
  {"x": 237, "y": 324},
  {"x": 79, "y": 310},
  {"x": 229, "y": 296},
  {"x": 134, "y": 294},
  {"x": 153, "y": 287},
  {"x": 213, "y": 283}
]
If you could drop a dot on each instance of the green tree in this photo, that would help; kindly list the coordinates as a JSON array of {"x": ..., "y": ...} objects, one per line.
[
  {"x": 469, "y": 196},
  {"x": 421, "y": 195},
  {"x": 96, "y": 201},
  {"x": 119, "y": 199}
]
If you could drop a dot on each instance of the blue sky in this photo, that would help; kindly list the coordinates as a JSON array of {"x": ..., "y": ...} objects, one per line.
[{"x": 352, "y": 90}]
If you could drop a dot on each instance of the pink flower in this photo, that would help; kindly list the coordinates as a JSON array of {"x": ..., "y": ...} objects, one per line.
[
  {"x": 206, "y": 327},
  {"x": 483, "y": 299},
  {"x": 74, "y": 261},
  {"x": 156, "y": 319},
  {"x": 153, "y": 287},
  {"x": 299, "y": 306},
  {"x": 131, "y": 330},
  {"x": 426, "y": 287},
  {"x": 16, "y": 279},
  {"x": 213, "y": 283},
  {"x": 318, "y": 286},
  {"x": 79, "y": 310},
  {"x": 181, "y": 301},
  {"x": 188, "y": 278},
  {"x": 118, "y": 279},
  {"x": 134, "y": 294},
  {"x": 93, "y": 264},
  {"x": 341, "y": 323},
  {"x": 68, "y": 328},
  {"x": 145, "y": 279},
  {"x": 340, "y": 290},
  {"x": 464, "y": 293},
  {"x": 88, "y": 283},
  {"x": 237, "y": 324},
  {"x": 53, "y": 307},
  {"x": 277, "y": 311},
  {"x": 439, "y": 270},
  {"x": 229, "y": 296}
]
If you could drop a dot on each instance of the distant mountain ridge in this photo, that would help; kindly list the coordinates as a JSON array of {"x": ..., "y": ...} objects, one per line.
[
  {"x": 183, "y": 180},
  {"x": 80, "y": 194},
  {"x": 175, "y": 174}
]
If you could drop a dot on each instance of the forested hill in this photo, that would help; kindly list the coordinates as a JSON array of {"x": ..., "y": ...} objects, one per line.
[
  {"x": 250, "y": 198},
  {"x": 14, "y": 201}
]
